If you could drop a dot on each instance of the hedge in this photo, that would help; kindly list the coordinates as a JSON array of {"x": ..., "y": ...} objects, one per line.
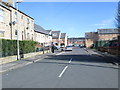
[{"x": 9, "y": 47}]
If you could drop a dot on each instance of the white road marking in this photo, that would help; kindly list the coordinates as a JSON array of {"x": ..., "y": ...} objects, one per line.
[
  {"x": 60, "y": 53},
  {"x": 28, "y": 63},
  {"x": 39, "y": 59},
  {"x": 63, "y": 71},
  {"x": 70, "y": 60}
]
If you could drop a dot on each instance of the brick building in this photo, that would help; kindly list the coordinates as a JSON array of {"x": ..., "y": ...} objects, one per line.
[
  {"x": 90, "y": 38},
  {"x": 78, "y": 41},
  {"x": 108, "y": 34}
]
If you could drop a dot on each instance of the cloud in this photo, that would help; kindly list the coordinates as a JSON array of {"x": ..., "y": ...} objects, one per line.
[
  {"x": 104, "y": 24},
  {"x": 99, "y": 24}
]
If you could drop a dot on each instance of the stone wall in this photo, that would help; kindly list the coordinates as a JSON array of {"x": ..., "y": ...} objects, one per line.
[{"x": 9, "y": 59}]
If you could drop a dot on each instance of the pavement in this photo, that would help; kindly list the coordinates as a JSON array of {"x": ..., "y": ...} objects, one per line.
[
  {"x": 108, "y": 57},
  {"x": 71, "y": 69},
  {"x": 20, "y": 63}
]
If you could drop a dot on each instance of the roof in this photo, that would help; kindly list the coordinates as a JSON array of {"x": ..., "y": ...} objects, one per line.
[
  {"x": 55, "y": 34},
  {"x": 40, "y": 29},
  {"x": 4, "y": 6},
  {"x": 63, "y": 35},
  {"x": 48, "y": 31},
  {"x": 108, "y": 31},
  {"x": 7, "y": 4},
  {"x": 77, "y": 38}
]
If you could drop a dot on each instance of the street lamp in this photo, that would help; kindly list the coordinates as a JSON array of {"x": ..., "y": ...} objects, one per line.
[{"x": 18, "y": 50}]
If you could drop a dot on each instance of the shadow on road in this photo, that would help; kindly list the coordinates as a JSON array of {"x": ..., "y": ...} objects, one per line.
[
  {"x": 84, "y": 58},
  {"x": 78, "y": 64}
]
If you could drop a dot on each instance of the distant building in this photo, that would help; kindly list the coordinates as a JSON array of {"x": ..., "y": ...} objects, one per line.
[
  {"x": 90, "y": 38},
  {"x": 63, "y": 39},
  {"x": 79, "y": 41},
  {"x": 59, "y": 39},
  {"x": 56, "y": 37},
  {"x": 108, "y": 34},
  {"x": 42, "y": 36}
]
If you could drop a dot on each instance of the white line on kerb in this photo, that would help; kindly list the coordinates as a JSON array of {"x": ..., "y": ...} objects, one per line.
[{"x": 63, "y": 71}]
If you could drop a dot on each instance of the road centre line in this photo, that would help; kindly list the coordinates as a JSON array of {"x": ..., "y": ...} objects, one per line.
[
  {"x": 64, "y": 69},
  {"x": 70, "y": 60}
]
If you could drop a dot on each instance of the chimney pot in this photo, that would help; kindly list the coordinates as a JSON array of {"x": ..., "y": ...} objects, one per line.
[{"x": 11, "y": 2}]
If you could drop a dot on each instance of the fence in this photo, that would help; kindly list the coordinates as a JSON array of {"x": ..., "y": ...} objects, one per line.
[{"x": 112, "y": 47}]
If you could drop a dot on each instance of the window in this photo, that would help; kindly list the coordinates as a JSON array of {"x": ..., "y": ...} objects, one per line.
[
  {"x": 1, "y": 15},
  {"x": 28, "y": 36},
  {"x": 15, "y": 16},
  {"x": 22, "y": 35},
  {"x": 32, "y": 36},
  {"x": 28, "y": 21},
  {"x": 55, "y": 34},
  {"x": 1, "y": 34},
  {"x": 16, "y": 32},
  {"x": 21, "y": 16}
]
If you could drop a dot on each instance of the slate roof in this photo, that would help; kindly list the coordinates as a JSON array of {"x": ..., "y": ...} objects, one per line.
[
  {"x": 40, "y": 29},
  {"x": 48, "y": 31},
  {"x": 77, "y": 38},
  {"x": 91, "y": 35},
  {"x": 63, "y": 35},
  {"x": 55, "y": 34},
  {"x": 108, "y": 31},
  {"x": 7, "y": 5}
]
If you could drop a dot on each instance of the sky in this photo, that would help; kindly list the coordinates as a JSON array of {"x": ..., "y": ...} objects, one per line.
[{"x": 73, "y": 18}]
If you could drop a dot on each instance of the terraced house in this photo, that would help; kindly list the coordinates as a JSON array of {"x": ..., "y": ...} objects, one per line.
[
  {"x": 14, "y": 22},
  {"x": 59, "y": 39},
  {"x": 42, "y": 36},
  {"x": 5, "y": 28}
]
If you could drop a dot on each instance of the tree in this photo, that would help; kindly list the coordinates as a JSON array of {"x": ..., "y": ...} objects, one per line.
[{"x": 118, "y": 16}]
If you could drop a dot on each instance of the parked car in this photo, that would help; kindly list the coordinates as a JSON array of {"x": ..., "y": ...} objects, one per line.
[{"x": 68, "y": 48}]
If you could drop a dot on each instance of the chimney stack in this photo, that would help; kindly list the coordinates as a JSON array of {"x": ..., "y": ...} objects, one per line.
[{"x": 11, "y": 2}]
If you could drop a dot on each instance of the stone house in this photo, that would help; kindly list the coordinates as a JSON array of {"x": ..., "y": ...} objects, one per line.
[
  {"x": 15, "y": 22},
  {"x": 42, "y": 36}
]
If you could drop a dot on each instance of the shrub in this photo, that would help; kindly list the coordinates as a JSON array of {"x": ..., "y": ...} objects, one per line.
[{"x": 9, "y": 47}]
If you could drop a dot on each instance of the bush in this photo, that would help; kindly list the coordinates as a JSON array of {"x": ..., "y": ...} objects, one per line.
[{"x": 9, "y": 47}]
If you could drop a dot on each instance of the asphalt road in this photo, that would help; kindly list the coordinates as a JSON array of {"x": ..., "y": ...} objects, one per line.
[{"x": 73, "y": 69}]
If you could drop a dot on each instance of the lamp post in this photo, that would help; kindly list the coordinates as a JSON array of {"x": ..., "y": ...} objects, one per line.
[{"x": 18, "y": 49}]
